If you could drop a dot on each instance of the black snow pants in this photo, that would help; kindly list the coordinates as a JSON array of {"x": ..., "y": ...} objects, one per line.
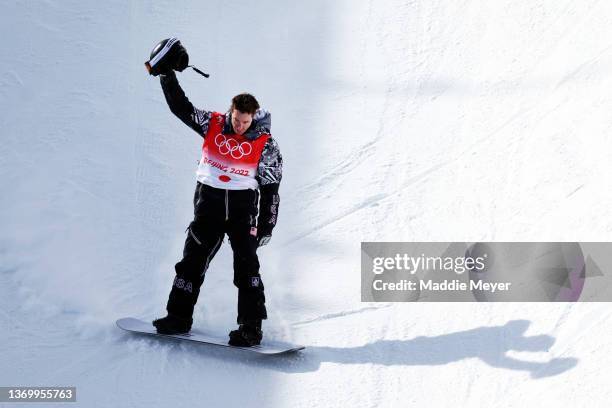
[{"x": 218, "y": 212}]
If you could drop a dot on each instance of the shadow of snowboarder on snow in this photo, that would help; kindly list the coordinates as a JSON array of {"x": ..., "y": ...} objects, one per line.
[{"x": 489, "y": 344}]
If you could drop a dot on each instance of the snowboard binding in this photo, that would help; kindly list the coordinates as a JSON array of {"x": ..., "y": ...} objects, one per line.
[
  {"x": 172, "y": 324},
  {"x": 247, "y": 335}
]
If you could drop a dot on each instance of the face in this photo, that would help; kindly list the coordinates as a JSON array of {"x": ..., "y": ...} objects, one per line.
[{"x": 241, "y": 121}]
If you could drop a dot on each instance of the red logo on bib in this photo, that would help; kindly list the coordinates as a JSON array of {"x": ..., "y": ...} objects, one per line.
[{"x": 224, "y": 178}]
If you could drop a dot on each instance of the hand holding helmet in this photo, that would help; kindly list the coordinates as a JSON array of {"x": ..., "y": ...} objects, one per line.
[{"x": 167, "y": 55}]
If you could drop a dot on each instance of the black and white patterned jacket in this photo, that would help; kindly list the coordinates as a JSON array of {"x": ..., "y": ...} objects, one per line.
[{"x": 270, "y": 167}]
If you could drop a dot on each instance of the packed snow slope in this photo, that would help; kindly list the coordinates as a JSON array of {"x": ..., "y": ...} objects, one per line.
[{"x": 415, "y": 120}]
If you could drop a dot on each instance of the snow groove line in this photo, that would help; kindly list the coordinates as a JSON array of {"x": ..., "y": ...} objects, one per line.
[
  {"x": 345, "y": 166},
  {"x": 584, "y": 333},
  {"x": 585, "y": 64},
  {"x": 336, "y": 218},
  {"x": 410, "y": 182},
  {"x": 341, "y": 314}
]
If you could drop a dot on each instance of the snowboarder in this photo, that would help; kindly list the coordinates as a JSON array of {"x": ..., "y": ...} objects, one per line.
[{"x": 238, "y": 178}]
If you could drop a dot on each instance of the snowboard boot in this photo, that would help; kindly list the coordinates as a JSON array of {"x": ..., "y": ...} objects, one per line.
[
  {"x": 248, "y": 334},
  {"x": 173, "y": 324}
]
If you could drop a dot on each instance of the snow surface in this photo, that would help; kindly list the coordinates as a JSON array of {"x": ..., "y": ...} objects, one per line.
[{"x": 398, "y": 121}]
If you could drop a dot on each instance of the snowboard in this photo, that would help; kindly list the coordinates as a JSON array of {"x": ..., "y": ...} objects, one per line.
[{"x": 269, "y": 347}]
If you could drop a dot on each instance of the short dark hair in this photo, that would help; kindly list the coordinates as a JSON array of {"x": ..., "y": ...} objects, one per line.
[{"x": 245, "y": 103}]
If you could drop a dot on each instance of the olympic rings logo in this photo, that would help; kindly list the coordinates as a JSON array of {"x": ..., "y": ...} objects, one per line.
[{"x": 232, "y": 147}]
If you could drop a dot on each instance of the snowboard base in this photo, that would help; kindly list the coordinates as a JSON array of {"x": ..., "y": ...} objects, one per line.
[{"x": 269, "y": 347}]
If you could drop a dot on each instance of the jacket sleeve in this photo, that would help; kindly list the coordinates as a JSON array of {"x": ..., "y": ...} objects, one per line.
[
  {"x": 193, "y": 117},
  {"x": 269, "y": 174}
]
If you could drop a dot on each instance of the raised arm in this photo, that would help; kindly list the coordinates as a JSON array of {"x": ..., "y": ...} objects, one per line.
[{"x": 193, "y": 117}]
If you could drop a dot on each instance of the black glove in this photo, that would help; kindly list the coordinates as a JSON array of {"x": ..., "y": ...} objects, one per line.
[
  {"x": 167, "y": 55},
  {"x": 263, "y": 240}
]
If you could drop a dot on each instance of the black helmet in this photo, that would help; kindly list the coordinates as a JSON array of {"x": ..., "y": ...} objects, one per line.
[{"x": 167, "y": 55}]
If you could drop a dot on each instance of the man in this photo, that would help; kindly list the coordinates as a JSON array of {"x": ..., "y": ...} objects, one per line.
[{"x": 238, "y": 178}]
